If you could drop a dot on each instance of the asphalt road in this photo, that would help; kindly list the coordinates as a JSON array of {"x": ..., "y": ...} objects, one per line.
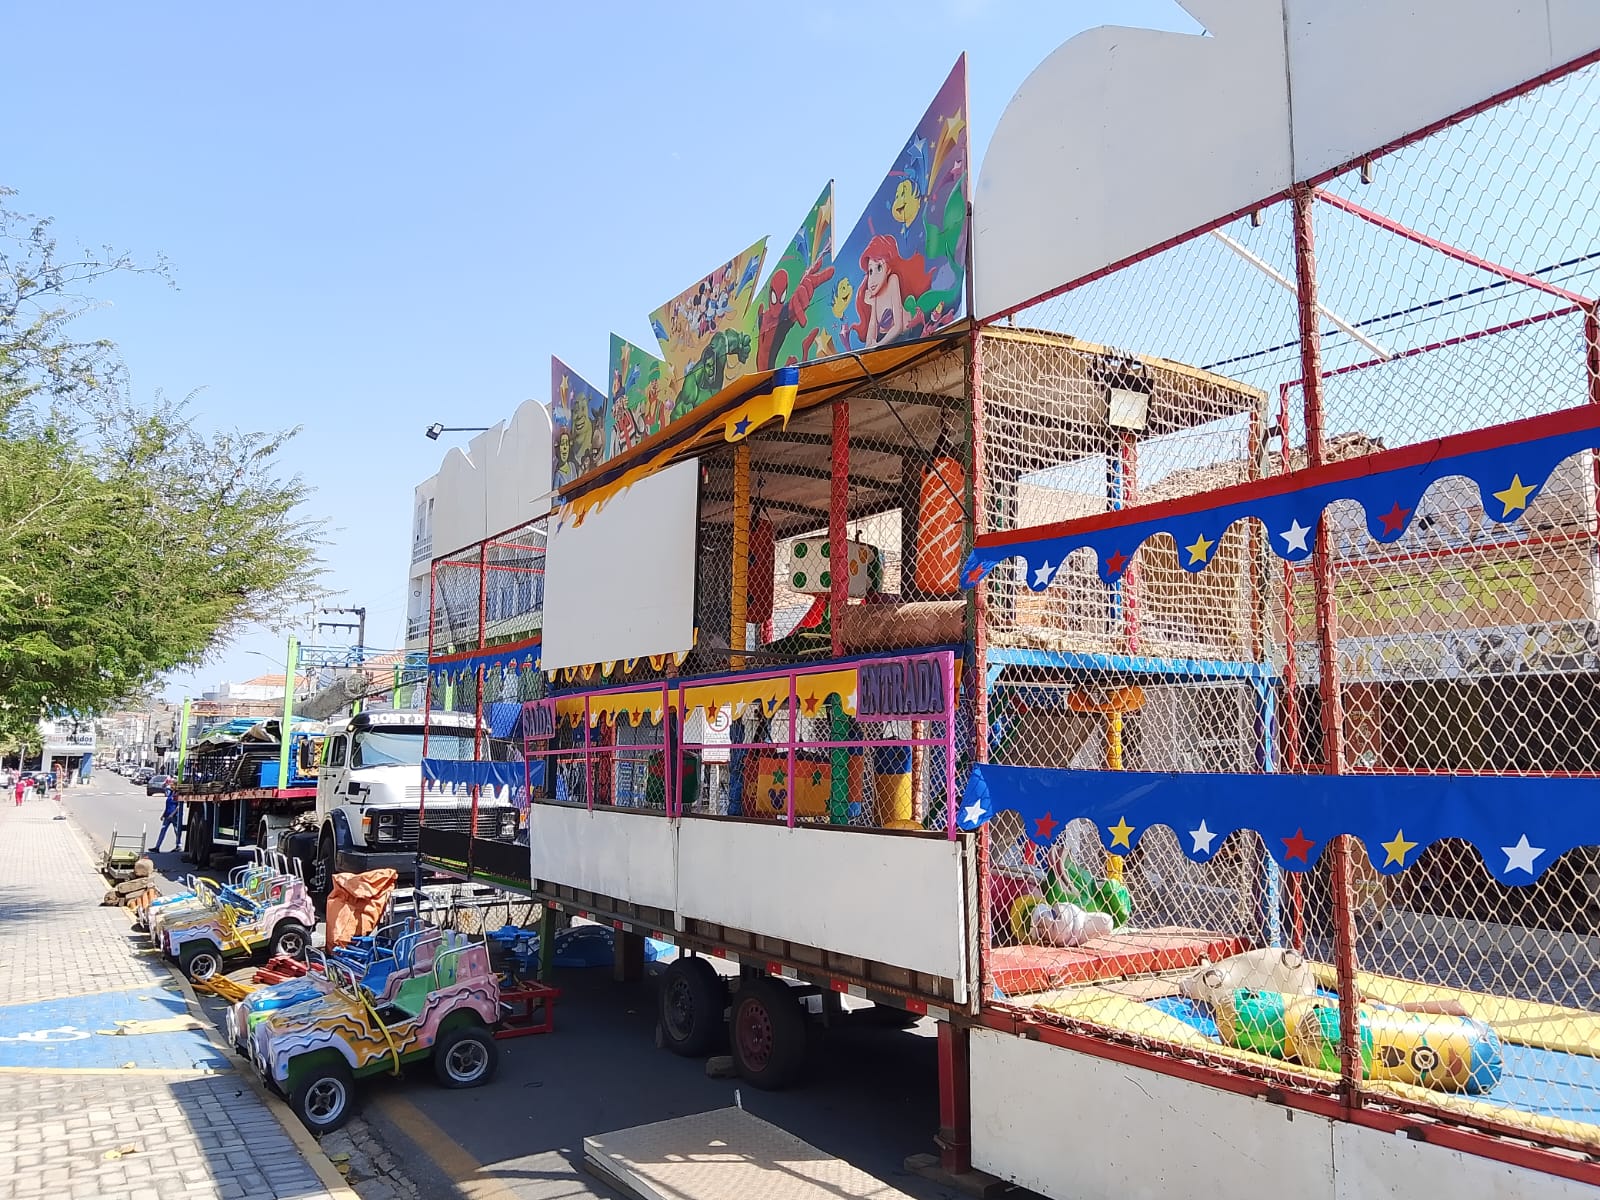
[{"x": 872, "y": 1098}]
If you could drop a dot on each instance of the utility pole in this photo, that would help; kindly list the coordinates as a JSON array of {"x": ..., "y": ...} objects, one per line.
[{"x": 359, "y": 625}]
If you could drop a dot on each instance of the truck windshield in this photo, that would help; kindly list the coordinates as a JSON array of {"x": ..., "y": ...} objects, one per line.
[
  {"x": 403, "y": 747},
  {"x": 400, "y": 747}
]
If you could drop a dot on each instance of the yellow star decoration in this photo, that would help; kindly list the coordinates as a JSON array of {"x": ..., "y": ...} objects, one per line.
[
  {"x": 1514, "y": 497},
  {"x": 1200, "y": 549},
  {"x": 1120, "y": 832},
  {"x": 1398, "y": 849}
]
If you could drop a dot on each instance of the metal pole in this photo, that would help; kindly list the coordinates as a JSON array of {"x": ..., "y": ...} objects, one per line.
[
  {"x": 1333, "y": 750},
  {"x": 291, "y": 668},
  {"x": 978, "y": 614},
  {"x": 838, "y": 516},
  {"x": 183, "y": 737},
  {"x": 739, "y": 602}
]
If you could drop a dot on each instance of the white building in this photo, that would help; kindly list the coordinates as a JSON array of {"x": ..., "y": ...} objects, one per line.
[{"x": 500, "y": 481}]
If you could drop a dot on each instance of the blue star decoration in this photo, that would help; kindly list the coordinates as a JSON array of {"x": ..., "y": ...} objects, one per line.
[
  {"x": 1509, "y": 464},
  {"x": 741, "y": 426},
  {"x": 1519, "y": 824}
]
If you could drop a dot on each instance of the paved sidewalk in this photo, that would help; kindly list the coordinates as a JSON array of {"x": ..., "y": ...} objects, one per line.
[{"x": 85, "y": 1113}]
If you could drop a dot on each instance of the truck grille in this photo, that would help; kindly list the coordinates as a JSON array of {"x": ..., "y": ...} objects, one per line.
[{"x": 454, "y": 820}]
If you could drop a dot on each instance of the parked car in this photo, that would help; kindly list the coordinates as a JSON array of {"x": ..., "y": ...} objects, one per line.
[
  {"x": 141, "y": 775},
  {"x": 158, "y": 783}
]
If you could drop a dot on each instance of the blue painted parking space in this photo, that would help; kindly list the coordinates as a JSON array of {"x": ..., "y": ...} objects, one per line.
[{"x": 80, "y": 1032}]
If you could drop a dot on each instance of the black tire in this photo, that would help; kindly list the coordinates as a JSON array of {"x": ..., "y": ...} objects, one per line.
[
  {"x": 191, "y": 837},
  {"x": 691, "y": 1007},
  {"x": 321, "y": 883},
  {"x": 201, "y": 843},
  {"x": 200, "y": 961},
  {"x": 767, "y": 1033},
  {"x": 325, "y": 1097},
  {"x": 465, "y": 1057},
  {"x": 289, "y": 938}
]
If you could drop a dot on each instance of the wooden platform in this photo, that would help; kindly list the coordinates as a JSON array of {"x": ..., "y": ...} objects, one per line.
[
  {"x": 1020, "y": 969},
  {"x": 725, "y": 1154}
]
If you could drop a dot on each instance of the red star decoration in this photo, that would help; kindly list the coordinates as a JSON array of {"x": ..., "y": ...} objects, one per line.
[
  {"x": 1297, "y": 846},
  {"x": 1116, "y": 562},
  {"x": 1044, "y": 828},
  {"x": 811, "y": 702},
  {"x": 975, "y": 574},
  {"x": 1394, "y": 520}
]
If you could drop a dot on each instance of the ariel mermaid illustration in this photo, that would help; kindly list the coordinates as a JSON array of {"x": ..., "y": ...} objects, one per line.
[{"x": 888, "y": 280}]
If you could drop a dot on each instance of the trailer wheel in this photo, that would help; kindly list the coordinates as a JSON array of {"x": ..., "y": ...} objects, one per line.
[
  {"x": 768, "y": 1033},
  {"x": 691, "y": 1005}
]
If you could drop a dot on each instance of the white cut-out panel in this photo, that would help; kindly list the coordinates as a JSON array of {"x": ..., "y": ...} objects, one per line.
[
  {"x": 1124, "y": 139},
  {"x": 621, "y": 584}
]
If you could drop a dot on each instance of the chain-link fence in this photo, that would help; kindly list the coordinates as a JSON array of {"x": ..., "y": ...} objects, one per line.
[
  {"x": 1456, "y": 634},
  {"x": 485, "y": 616}
]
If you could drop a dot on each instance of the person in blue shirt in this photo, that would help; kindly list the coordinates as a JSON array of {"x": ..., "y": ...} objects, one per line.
[{"x": 171, "y": 818}]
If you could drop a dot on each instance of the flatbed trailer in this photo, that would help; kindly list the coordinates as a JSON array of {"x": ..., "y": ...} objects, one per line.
[{"x": 224, "y": 822}]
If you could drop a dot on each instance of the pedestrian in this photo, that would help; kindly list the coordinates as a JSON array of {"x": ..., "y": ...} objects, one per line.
[
  {"x": 20, "y": 787},
  {"x": 170, "y": 819}
]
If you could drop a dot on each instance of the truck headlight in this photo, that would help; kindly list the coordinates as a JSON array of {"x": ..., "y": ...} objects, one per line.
[
  {"x": 388, "y": 827},
  {"x": 508, "y": 824}
]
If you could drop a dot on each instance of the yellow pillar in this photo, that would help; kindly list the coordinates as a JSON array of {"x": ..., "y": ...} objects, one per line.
[{"x": 1114, "y": 763}]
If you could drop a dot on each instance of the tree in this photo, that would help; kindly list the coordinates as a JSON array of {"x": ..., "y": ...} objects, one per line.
[{"x": 132, "y": 541}]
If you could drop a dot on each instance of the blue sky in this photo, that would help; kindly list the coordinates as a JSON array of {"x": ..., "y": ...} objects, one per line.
[{"x": 383, "y": 216}]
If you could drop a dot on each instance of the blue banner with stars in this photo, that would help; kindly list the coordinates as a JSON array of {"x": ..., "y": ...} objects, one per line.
[
  {"x": 1509, "y": 463},
  {"x": 1519, "y": 824}
]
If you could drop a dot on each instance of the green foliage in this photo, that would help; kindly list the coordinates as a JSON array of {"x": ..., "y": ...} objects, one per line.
[{"x": 132, "y": 542}]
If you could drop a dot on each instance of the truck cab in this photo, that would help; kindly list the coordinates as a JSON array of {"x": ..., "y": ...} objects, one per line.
[{"x": 369, "y": 791}]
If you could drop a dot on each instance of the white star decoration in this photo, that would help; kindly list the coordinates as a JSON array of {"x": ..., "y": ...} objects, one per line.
[
  {"x": 1520, "y": 857},
  {"x": 973, "y": 813},
  {"x": 1203, "y": 838},
  {"x": 1041, "y": 577},
  {"x": 1294, "y": 537}
]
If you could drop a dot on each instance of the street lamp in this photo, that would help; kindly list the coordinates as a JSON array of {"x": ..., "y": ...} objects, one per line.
[{"x": 433, "y": 431}]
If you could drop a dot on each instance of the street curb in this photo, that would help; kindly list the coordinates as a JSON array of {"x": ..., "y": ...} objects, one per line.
[
  {"x": 302, "y": 1137},
  {"x": 304, "y": 1141}
]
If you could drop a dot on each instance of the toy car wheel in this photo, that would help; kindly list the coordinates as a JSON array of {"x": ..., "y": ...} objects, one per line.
[
  {"x": 289, "y": 938},
  {"x": 200, "y": 961},
  {"x": 465, "y": 1057},
  {"x": 324, "y": 1098},
  {"x": 767, "y": 1030},
  {"x": 692, "y": 1003}
]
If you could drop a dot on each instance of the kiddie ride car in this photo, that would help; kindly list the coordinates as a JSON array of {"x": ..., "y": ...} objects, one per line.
[
  {"x": 266, "y": 909},
  {"x": 380, "y": 962},
  {"x": 440, "y": 1005},
  {"x": 249, "y": 880}
]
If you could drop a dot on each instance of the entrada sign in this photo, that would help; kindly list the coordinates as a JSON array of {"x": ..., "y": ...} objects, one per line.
[{"x": 901, "y": 690}]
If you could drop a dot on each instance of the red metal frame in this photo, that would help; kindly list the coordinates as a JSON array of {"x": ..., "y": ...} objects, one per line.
[
  {"x": 520, "y": 1003},
  {"x": 1449, "y": 251},
  {"x": 838, "y": 513},
  {"x": 1333, "y": 756}
]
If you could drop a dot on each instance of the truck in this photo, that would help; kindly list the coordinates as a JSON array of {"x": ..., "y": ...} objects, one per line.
[
  {"x": 230, "y": 789},
  {"x": 368, "y": 797}
]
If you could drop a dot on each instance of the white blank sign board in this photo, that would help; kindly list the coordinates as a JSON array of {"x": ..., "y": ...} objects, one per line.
[{"x": 621, "y": 585}]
